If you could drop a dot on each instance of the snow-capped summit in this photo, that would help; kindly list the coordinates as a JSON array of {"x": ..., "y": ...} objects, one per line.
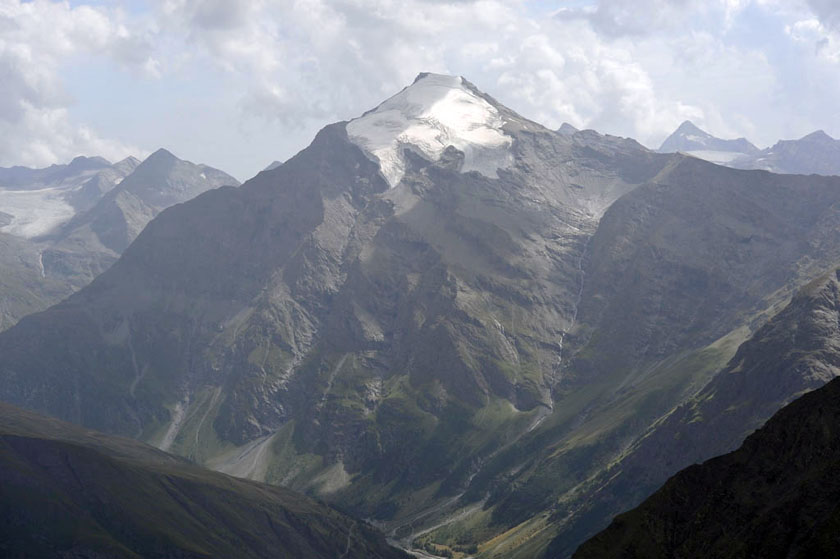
[
  {"x": 433, "y": 113},
  {"x": 690, "y": 139},
  {"x": 689, "y": 132}
]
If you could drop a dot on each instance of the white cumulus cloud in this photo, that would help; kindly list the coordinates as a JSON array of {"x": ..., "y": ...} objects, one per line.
[{"x": 37, "y": 40}]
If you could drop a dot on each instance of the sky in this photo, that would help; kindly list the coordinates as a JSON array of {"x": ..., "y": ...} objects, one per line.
[{"x": 237, "y": 84}]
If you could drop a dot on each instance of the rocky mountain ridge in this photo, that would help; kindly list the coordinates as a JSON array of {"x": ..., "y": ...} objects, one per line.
[
  {"x": 451, "y": 350},
  {"x": 816, "y": 153}
]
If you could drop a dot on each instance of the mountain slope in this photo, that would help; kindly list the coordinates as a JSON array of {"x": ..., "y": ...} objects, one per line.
[
  {"x": 68, "y": 492},
  {"x": 29, "y": 178},
  {"x": 675, "y": 278},
  {"x": 23, "y": 287},
  {"x": 567, "y": 129},
  {"x": 776, "y": 496},
  {"x": 797, "y": 351}
]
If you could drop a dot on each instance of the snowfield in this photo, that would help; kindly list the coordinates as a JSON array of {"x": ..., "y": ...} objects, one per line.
[
  {"x": 435, "y": 112},
  {"x": 34, "y": 212},
  {"x": 719, "y": 157}
]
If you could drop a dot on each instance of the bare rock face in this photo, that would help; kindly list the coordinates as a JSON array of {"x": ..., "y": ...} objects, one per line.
[
  {"x": 681, "y": 262},
  {"x": 90, "y": 242}
]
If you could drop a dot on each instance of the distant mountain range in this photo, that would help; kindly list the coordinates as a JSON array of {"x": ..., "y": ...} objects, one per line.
[
  {"x": 36, "y": 201},
  {"x": 817, "y": 153},
  {"x": 63, "y": 225}
]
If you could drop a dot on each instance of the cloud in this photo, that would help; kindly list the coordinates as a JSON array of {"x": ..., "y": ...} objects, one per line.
[
  {"x": 818, "y": 26},
  {"x": 811, "y": 31},
  {"x": 643, "y": 17},
  {"x": 586, "y": 83},
  {"x": 620, "y": 18},
  {"x": 47, "y": 135},
  {"x": 313, "y": 61},
  {"x": 36, "y": 40},
  {"x": 827, "y": 11}
]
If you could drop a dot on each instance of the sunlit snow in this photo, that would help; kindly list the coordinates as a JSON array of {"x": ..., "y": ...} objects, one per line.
[
  {"x": 719, "y": 157},
  {"x": 433, "y": 113}
]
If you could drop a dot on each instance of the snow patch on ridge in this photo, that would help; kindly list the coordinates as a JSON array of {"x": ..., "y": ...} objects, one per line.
[
  {"x": 435, "y": 112},
  {"x": 719, "y": 157},
  {"x": 696, "y": 138}
]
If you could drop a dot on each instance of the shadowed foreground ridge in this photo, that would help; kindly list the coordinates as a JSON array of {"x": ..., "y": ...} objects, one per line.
[
  {"x": 776, "y": 496},
  {"x": 68, "y": 492}
]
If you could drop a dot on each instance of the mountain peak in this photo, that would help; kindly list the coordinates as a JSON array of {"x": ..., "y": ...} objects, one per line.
[
  {"x": 688, "y": 127},
  {"x": 567, "y": 129},
  {"x": 158, "y": 164},
  {"x": 162, "y": 155},
  {"x": 818, "y": 136},
  {"x": 83, "y": 159},
  {"x": 424, "y": 75},
  {"x": 130, "y": 160},
  {"x": 82, "y": 163},
  {"x": 433, "y": 113}
]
